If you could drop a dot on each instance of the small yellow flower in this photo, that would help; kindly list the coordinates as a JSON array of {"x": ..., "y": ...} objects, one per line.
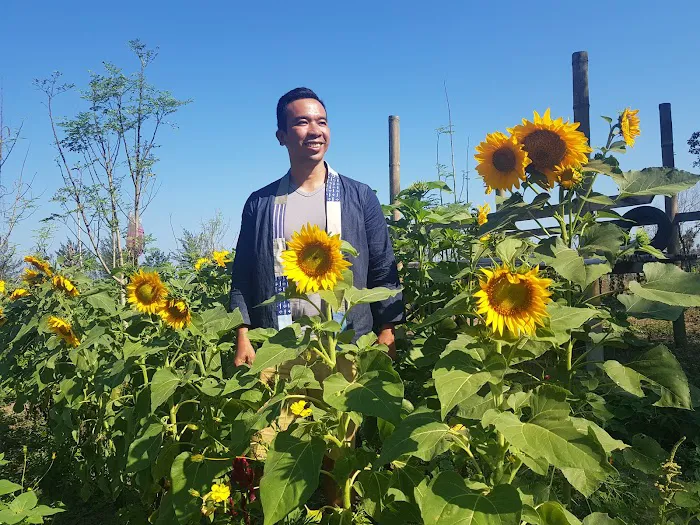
[
  {"x": 39, "y": 264},
  {"x": 299, "y": 409},
  {"x": 30, "y": 276},
  {"x": 221, "y": 258},
  {"x": 61, "y": 283},
  {"x": 629, "y": 126},
  {"x": 19, "y": 292},
  {"x": 458, "y": 427},
  {"x": 2, "y": 286},
  {"x": 53, "y": 456},
  {"x": 197, "y": 458},
  {"x": 201, "y": 262},
  {"x": 220, "y": 492},
  {"x": 64, "y": 330},
  {"x": 569, "y": 177},
  {"x": 483, "y": 217}
]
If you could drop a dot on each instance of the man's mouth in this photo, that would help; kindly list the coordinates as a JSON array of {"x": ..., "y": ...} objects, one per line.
[{"x": 314, "y": 144}]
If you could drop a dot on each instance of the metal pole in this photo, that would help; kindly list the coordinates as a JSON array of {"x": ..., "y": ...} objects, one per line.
[
  {"x": 394, "y": 161},
  {"x": 582, "y": 107},
  {"x": 667, "y": 159}
]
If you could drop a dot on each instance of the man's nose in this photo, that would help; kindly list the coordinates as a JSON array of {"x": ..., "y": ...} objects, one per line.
[{"x": 315, "y": 129}]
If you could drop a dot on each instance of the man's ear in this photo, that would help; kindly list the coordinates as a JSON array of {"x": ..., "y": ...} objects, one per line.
[{"x": 281, "y": 135}]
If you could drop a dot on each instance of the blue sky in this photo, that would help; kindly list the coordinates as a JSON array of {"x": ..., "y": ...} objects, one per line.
[{"x": 367, "y": 60}]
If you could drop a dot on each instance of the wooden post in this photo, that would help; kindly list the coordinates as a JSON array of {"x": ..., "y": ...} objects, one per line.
[
  {"x": 582, "y": 107},
  {"x": 674, "y": 247},
  {"x": 394, "y": 161}
]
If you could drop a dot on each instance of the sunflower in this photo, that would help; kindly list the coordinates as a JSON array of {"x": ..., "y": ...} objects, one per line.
[
  {"x": 483, "y": 211},
  {"x": 300, "y": 409},
  {"x": 569, "y": 177},
  {"x": 146, "y": 291},
  {"x": 63, "y": 329},
  {"x": 176, "y": 313},
  {"x": 31, "y": 276},
  {"x": 516, "y": 301},
  {"x": 201, "y": 262},
  {"x": 221, "y": 258},
  {"x": 39, "y": 264},
  {"x": 314, "y": 261},
  {"x": 629, "y": 125},
  {"x": 61, "y": 283},
  {"x": 551, "y": 143},
  {"x": 19, "y": 292},
  {"x": 2, "y": 286},
  {"x": 502, "y": 162},
  {"x": 219, "y": 493}
]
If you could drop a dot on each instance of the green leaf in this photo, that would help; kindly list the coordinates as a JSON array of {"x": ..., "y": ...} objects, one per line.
[
  {"x": 376, "y": 393},
  {"x": 448, "y": 501},
  {"x": 559, "y": 442},
  {"x": 163, "y": 385},
  {"x": 372, "y": 488},
  {"x": 420, "y": 434},
  {"x": 24, "y": 502},
  {"x": 331, "y": 298},
  {"x": 608, "y": 442},
  {"x": 292, "y": 469},
  {"x": 645, "y": 455},
  {"x": 8, "y": 487},
  {"x": 369, "y": 295},
  {"x": 640, "y": 308},
  {"x": 458, "y": 376},
  {"x": 553, "y": 513},
  {"x": 197, "y": 476},
  {"x": 658, "y": 367},
  {"x": 602, "y": 237},
  {"x": 144, "y": 449},
  {"x": 599, "y": 198},
  {"x": 596, "y": 271},
  {"x": 654, "y": 181},
  {"x": 565, "y": 261},
  {"x": 102, "y": 301},
  {"x": 566, "y": 317},
  {"x": 507, "y": 249},
  {"x": 668, "y": 284},
  {"x": 601, "y": 518},
  {"x": 346, "y": 247},
  {"x": 599, "y": 166},
  {"x": 476, "y": 406},
  {"x": 271, "y": 355}
]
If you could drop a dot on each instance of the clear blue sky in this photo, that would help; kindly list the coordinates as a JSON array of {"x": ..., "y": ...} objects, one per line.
[{"x": 367, "y": 60}]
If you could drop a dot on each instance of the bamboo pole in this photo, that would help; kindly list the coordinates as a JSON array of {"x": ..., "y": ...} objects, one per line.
[
  {"x": 394, "y": 161},
  {"x": 668, "y": 160}
]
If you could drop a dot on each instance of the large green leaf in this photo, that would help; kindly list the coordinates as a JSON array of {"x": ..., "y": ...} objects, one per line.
[
  {"x": 601, "y": 518},
  {"x": 376, "y": 393},
  {"x": 565, "y": 261},
  {"x": 102, "y": 301},
  {"x": 271, "y": 355},
  {"x": 645, "y": 454},
  {"x": 372, "y": 488},
  {"x": 8, "y": 487},
  {"x": 596, "y": 271},
  {"x": 369, "y": 295},
  {"x": 163, "y": 385},
  {"x": 559, "y": 442},
  {"x": 567, "y": 317},
  {"x": 668, "y": 284},
  {"x": 602, "y": 237},
  {"x": 549, "y": 513},
  {"x": 144, "y": 449},
  {"x": 458, "y": 376},
  {"x": 292, "y": 469},
  {"x": 654, "y": 181},
  {"x": 608, "y": 442},
  {"x": 657, "y": 367},
  {"x": 640, "y": 308},
  {"x": 188, "y": 475},
  {"x": 447, "y": 501},
  {"x": 420, "y": 434}
]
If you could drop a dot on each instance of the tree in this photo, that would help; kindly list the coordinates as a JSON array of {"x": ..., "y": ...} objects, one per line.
[
  {"x": 694, "y": 148},
  {"x": 156, "y": 258},
  {"x": 688, "y": 201},
  {"x": 202, "y": 243},
  {"x": 106, "y": 154}
]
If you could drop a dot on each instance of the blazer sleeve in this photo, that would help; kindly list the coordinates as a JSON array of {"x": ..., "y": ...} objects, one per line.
[
  {"x": 242, "y": 274},
  {"x": 381, "y": 268}
]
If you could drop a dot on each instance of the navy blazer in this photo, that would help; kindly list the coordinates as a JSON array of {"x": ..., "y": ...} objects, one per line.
[{"x": 363, "y": 226}]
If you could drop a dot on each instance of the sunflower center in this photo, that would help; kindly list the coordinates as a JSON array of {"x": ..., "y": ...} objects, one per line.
[
  {"x": 504, "y": 160},
  {"x": 509, "y": 298},
  {"x": 545, "y": 148},
  {"x": 146, "y": 293},
  {"x": 314, "y": 260}
]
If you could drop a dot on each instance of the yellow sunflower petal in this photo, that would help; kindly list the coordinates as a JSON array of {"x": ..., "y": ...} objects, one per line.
[
  {"x": 502, "y": 162},
  {"x": 63, "y": 329},
  {"x": 176, "y": 314},
  {"x": 629, "y": 126},
  {"x": 146, "y": 292}
]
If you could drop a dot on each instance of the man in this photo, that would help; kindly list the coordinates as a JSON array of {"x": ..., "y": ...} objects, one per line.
[{"x": 310, "y": 192}]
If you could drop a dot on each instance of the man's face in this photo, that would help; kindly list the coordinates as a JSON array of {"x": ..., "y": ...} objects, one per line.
[{"x": 307, "y": 135}]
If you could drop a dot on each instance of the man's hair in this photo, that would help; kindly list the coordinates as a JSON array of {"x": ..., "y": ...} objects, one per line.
[{"x": 288, "y": 98}]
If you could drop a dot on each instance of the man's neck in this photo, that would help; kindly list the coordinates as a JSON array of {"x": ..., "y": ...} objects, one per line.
[{"x": 309, "y": 177}]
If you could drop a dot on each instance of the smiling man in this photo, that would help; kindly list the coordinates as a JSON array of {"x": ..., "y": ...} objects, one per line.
[{"x": 310, "y": 192}]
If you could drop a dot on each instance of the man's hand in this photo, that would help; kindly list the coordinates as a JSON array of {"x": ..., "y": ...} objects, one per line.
[
  {"x": 245, "y": 354},
  {"x": 386, "y": 337}
]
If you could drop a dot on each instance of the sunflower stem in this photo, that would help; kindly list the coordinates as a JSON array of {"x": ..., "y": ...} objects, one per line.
[{"x": 332, "y": 342}]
